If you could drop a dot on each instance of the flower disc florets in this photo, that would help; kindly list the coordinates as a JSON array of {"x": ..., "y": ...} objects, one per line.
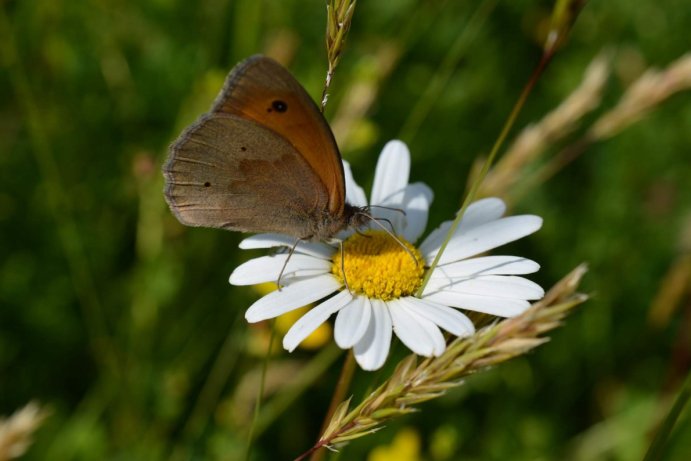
[{"x": 377, "y": 266}]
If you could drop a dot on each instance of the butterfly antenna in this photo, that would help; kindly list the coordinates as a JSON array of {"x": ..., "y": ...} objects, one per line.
[
  {"x": 357, "y": 231},
  {"x": 285, "y": 264},
  {"x": 386, "y": 221},
  {"x": 386, "y": 208},
  {"x": 393, "y": 236},
  {"x": 400, "y": 210}
]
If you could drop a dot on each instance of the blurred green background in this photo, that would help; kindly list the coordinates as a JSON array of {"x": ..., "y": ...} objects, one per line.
[{"x": 122, "y": 322}]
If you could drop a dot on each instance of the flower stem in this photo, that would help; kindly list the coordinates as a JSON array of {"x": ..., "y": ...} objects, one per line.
[
  {"x": 260, "y": 393},
  {"x": 338, "y": 396}
]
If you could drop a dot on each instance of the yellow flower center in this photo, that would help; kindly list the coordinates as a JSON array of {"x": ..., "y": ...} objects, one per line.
[{"x": 377, "y": 266}]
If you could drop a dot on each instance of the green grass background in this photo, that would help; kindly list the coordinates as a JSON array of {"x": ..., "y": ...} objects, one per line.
[{"x": 118, "y": 318}]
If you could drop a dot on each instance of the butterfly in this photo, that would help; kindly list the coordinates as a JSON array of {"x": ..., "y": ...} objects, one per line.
[{"x": 263, "y": 159}]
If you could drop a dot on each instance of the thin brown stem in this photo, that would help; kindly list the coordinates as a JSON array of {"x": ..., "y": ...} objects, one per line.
[{"x": 338, "y": 396}]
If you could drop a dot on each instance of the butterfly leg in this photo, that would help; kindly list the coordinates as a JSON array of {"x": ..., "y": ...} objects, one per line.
[
  {"x": 345, "y": 279},
  {"x": 285, "y": 264}
]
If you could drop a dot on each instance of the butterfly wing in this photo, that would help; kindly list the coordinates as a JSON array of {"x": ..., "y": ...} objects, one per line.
[
  {"x": 229, "y": 172},
  {"x": 262, "y": 90},
  {"x": 263, "y": 160}
]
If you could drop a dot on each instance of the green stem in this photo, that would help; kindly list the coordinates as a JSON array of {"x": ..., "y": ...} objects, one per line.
[
  {"x": 546, "y": 58},
  {"x": 212, "y": 388},
  {"x": 563, "y": 17},
  {"x": 655, "y": 451},
  {"x": 260, "y": 394}
]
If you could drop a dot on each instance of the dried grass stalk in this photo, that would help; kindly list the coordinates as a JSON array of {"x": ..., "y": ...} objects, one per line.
[
  {"x": 536, "y": 138},
  {"x": 413, "y": 382},
  {"x": 642, "y": 97},
  {"x": 650, "y": 90},
  {"x": 16, "y": 431}
]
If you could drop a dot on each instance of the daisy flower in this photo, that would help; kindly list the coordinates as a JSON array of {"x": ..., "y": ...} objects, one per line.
[{"x": 383, "y": 277}]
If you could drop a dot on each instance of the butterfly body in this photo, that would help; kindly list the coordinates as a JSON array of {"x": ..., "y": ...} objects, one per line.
[{"x": 262, "y": 160}]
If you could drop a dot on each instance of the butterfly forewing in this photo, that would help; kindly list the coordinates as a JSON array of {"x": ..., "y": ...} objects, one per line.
[{"x": 260, "y": 89}]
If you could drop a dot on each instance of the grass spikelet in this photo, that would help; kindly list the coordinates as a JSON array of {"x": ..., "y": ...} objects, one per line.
[
  {"x": 651, "y": 89},
  {"x": 412, "y": 383},
  {"x": 339, "y": 16},
  {"x": 532, "y": 142},
  {"x": 16, "y": 431}
]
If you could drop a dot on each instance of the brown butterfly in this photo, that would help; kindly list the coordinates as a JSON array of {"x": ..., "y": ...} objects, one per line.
[{"x": 262, "y": 160}]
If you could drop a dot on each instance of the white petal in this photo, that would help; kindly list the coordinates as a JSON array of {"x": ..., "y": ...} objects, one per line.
[
  {"x": 482, "y": 211},
  {"x": 371, "y": 351},
  {"x": 404, "y": 211},
  {"x": 313, "y": 318},
  {"x": 500, "y": 286},
  {"x": 267, "y": 268},
  {"x": 352, "y": 322},
  {"x": 431, "y": 329},
  {"x": 408, "y": 330},
  {"x": 417, "y": 333},
  {"x": 433, "y": 241},
  {"x": 291, "y": 297},
  {"x": 477, "y": 213},
  {"x": 501, "y": 307},
  {"x": 391, "y": 174},
  {"x": 319, "y": 250},
  {"x": 486, "y": 265},
  {"x": 416, "y": 201},
  {"x": 450, "y": 319},
  {"x": 354, "y": 193},
  {"x": 487, "y": 236}
]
